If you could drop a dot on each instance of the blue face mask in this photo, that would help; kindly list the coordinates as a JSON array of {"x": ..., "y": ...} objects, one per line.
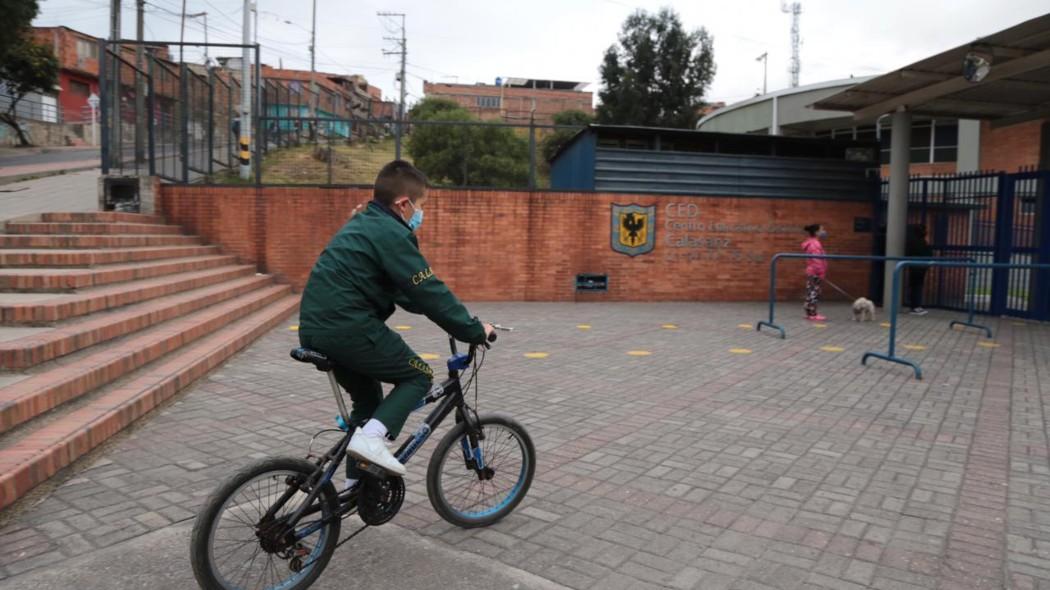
[
  {"x": 416, "y": 220},
  {"x": 822, "y": 234}
]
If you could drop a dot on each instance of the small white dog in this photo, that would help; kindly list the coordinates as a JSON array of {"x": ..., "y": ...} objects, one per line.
[{"x": 863, "y": 310}]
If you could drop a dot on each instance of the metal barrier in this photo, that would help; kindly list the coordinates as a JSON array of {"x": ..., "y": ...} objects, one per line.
[
  {"x": 895, "y": 304},
  {"x": 780, "y": 255}
]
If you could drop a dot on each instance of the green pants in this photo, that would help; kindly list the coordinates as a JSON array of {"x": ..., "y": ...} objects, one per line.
[{"x": 365, "y": 361}]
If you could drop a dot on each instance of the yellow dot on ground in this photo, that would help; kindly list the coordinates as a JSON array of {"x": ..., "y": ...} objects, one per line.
[
  {"x": 914, "y": 347},
  {"x": 536, "y": 355},
  {"x": 988, "y": 344},
  {"x": 832, "y": 348},
  {"x": 583, "y": 326},
  {"x": 429, "y": 356},
  {"x": 744, "y": 326},
  {"x": 402, "y": 328},
  {"x": 1018, "y": 324},
  {"x": 669, "y": 327},
  {"x": 639, "y": 352},
  {"x": 820, "y": 326},
  {"x": 885, "y": 324},
  {"x": 293, "y": 328},
  {"x": 740, "y": 350}
]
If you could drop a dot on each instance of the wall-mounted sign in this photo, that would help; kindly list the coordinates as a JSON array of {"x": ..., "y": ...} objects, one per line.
[{"x": 633, "y": 229}]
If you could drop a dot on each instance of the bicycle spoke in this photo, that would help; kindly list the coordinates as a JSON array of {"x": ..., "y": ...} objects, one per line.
[{"x": 503, "y": 454}]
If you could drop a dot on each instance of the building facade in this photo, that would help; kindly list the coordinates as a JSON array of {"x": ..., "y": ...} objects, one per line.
[
  {"x": 516, "y": 100},
  {"x": 938, "y": 145}
]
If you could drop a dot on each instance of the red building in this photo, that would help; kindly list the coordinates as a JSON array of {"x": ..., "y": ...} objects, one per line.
[
  {"x": 78, "y": 63},
  {"x": 516, "y": 100}
]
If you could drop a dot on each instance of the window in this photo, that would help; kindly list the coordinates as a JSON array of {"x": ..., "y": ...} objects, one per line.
[
  {"x": 931, "y": 141},
  {"x": 945, "y": 141},
  {"x": 79, "y": 88},
  {"x": 488, "y": 102},
  {"x": 86, "y": 49}
]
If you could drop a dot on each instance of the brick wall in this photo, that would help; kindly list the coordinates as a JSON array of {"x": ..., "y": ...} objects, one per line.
[
  {"x": 522, "y": 246},
  {"x": 1010, "y": 148}
]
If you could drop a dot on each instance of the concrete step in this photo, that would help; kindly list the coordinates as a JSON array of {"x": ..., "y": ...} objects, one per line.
[
  {"x": 39, "y": 452},
  {"x": 57, "y": 280},
  {"x": 28, "y": 347},
  {"x": 83, "y": 258},
  {"x": 100, "y": 217},
  {"x": 112, "y": 228},
  {"x": 89, "y": 241},
  {"x": 43, "y": 308},
  {"x": 50, "y": 388}
]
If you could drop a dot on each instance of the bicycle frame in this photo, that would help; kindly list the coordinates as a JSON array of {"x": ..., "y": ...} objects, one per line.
[{"x": 449, "y": 397}]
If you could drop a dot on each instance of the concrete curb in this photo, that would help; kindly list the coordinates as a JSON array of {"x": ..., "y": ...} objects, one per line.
[{"x": 35, "y": 175}]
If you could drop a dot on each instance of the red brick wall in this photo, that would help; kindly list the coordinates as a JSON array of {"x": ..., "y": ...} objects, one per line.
[
  {"x": 521, "y": 246},
  {"x": 1010, "y": 148}
]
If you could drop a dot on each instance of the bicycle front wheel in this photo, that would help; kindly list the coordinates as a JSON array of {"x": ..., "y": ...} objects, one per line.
[
  {"x": 474, "y": 481},
  {"x": 240, "y": 541}
]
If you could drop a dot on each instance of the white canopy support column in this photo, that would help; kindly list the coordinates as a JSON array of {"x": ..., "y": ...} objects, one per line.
[{"x": 897, "y": 212}]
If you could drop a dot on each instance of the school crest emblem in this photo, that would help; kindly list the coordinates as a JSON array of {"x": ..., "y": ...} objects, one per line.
[{"x": 633, "y": 229}]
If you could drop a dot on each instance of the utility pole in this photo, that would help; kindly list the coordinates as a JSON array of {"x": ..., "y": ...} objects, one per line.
[
  {"x": 764, "y": 58},
  {"x": 246, "y": 94},
  {"x": 205, "y": 16},
  {"x": 313, "y": 69},
  {"x": 182, "y": 29},
  {"x": 114, "y": 92},
  {"x": 140, "y": 88},
  {"x": 403, "y": 52},
  {"x": 794, "y": 9}
]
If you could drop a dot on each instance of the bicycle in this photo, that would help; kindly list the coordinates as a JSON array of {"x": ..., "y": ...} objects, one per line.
[{"x": 290, "y": 515}]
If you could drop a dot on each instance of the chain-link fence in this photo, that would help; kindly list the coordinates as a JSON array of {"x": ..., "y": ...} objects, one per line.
[
  {"x": 312, "y": 150},
  {"x": 182, "y": 122},
  {"x": 179, "y": 121}
]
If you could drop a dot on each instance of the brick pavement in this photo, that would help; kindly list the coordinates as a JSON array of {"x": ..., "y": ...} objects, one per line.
[{"x": 692, "y": 467}]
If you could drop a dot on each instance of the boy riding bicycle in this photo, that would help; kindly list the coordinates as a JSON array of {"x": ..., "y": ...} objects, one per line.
[{"x": 370, "y": 265}]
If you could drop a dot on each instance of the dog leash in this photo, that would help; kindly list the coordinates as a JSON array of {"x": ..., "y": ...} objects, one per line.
[{"x": 839, "y": 289}]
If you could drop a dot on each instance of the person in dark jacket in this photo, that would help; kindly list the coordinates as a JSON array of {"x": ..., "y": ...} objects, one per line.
[
  {"x": 915, "y": 245},
  {"x": 372, "y": 264}
]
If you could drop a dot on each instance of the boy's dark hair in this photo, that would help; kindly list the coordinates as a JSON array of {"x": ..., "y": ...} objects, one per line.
[
  {"x": 396, "y": 179},
  {"x": 812, "y": 229}
]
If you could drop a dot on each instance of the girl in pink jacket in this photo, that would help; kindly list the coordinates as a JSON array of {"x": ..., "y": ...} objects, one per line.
[{"x": 816, "y": 269}]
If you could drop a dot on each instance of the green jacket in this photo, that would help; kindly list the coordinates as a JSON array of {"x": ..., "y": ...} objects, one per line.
[{"x": 372, "y": 263}]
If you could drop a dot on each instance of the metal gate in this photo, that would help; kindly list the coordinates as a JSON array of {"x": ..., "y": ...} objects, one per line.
[{"x": 989, "y": 217}]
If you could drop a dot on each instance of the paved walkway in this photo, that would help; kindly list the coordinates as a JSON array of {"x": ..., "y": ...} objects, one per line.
[
  {"x": 723, "y": 458},
  {"x": 77, "y": 191}
]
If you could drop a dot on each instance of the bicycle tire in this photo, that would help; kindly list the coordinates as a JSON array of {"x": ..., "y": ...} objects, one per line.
[
  {"x": 448, "y": 448},
  {"x": 207, "y": 521}
]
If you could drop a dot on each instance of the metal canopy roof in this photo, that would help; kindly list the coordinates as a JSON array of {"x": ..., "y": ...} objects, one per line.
[{"x": 1016, "y": 89}]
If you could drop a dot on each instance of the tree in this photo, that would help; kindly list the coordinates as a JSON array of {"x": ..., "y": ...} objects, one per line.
[
  {"x": 465, "y": 155},
  {"x": 657, "y": 74},
  {"x": 559, "y": 137},
  {"x": 25, "y": 66},
  {"x": 18, "y": 18},
  {"x": 28, "y": 67}
]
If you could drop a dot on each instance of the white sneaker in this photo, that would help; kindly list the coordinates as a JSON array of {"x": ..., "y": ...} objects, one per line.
[
  {"x": 919, "y": 311},
  {"x": 374, "y": 450}
]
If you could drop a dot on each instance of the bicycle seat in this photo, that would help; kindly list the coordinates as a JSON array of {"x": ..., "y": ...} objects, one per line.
[{"x": 306, "y": 355}]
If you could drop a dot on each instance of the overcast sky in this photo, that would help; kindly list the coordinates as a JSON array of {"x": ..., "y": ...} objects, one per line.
[{"x": 476, "y": 41}]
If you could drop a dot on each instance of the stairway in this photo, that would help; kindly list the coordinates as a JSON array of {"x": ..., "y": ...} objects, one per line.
[{"x": 103, "y": 316}]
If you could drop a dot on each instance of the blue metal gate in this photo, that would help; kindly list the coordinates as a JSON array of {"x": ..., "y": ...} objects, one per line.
[{"x": 989, "y": 217}]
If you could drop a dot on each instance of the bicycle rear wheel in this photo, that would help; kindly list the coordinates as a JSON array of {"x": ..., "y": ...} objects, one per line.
[
  {"x": 474, "y": 489},
  {"x": 233, "y": 545}
]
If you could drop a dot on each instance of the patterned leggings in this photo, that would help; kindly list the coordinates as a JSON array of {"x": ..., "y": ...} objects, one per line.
[{"x": 812, "y": 294}]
